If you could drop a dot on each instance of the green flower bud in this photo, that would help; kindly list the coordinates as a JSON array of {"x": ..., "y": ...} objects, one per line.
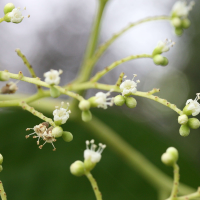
[
  {"x": 8, "y": 8},
  {"x": 160, "y": 60},
  {"x": 193, "y": 123},
  {"x": 178, "y": 31},
  {"x": 173, "y": 152},
  {"x": 184, "y": 130},
  {"x": 1, "y": 168},
  {"x": 84, "y": 105},
  {"x": 1, "y": 159},
  {"x": 186, "y": 111},
  {"x": 7, "y": 18},
  {"x": 4, "y": 76},
  {"x": 131, "y": 102},
  {"x": 185, "y": 23},
  {"x": 89, "y": 165},
  {"x": 119, "y": 100},
  {"x": 55, "y": 93},
  {"x": 86, "y": 116},
  {"x": 77, "y": 168},
  {"x": 67, "y": 136},
  {"x": 168, "y": 159},
  {"x": 57, "y": 131},
  {"x": 183, "y": 119},
  {"x": 176, "y": 22}
]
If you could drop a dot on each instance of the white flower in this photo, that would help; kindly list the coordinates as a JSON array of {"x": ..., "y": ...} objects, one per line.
[
  {"x": 128, "y": 87},
  {"x": 16, "y": 15},
  {"x": 90, "y": 153},
  {"x": 194, "y": 106},
  {"x": 164, "y": 46},
  {"x": 182, "y": 9},
  {"x": 61, "y": 115},
  {"x": 52, "y": 77},
  {"x": 101, "y": 100}
]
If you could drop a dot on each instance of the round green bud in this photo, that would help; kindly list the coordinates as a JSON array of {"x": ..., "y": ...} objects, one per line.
[
  {"x": 1, "y": 168},
  {"x": 77, "y": 168},
  {"x": 173, "y": 152},
  {"x": 89, "y": 165},
  {"x": 8, "y": 8},
  {"x": 186, "y": 111},
  {"x": 119, "y": 100},
  {"x": 168, "y": 159},
  {"x": 57, "y": 131},
  {"x": 176, "y": 22},
  {"x": 183, "y": 119},
  {"x": 185, "y": 23},
  {"x": 4, "y": 76},
  {"x": 84, "y": 105},
  {"x": 178, "y": 31},
  {"x": 131, "y": 102},
  {"x": 193, "y": 123},
  {"x": 7, "y": 18},
  {"x": 55, "y": 93},
  {"x": 184, "y": 130},
  {"x": 1, "y": 159},
  {"x": 86, "y": 116},
  {"x": 160, "y": 60},
  {"x": 67, "y": 136}
]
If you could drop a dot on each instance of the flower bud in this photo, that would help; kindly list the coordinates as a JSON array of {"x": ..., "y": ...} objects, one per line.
[
  {"x": 57, "y": 131},
  {"x": 84, "y": 105},
  {"x": 193, "y": 123},
  {"x": 186, "y": 111},
  {"x": 131, "y": 102},
  {"x": 67, "y": 136},
  {"x": 55, "y": 93},
  {"x": 168, "y": 159},
  {"x": 160, "y": 60},
  {"x": 89, "y": 165},
  {"x": 86, "y": 116},
  {"x": 176, "y": 22},
  {"x": 183, "y": 119},
  {"x": 7, "y": 17},
  {"x": 178, "y": 31},
  {"x": 4, "y": 76},
  {"x": 1, "y": 168},
  {"x": 119, "y": 100},
  {"x": 184, "y": 130},
  {"x": 1, "y": 159},
  {"x": 77, "y": 168},
  {"x": 173, "y": 152},
  {"x": 185, "y": 23},
  {"x": 8, "y": 8}
]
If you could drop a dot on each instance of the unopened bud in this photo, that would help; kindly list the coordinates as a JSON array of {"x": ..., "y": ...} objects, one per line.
[
  {"x": 86, "y": 116},
  {"x": 176, "y": 22},
  {"x": 160, "y": 60},
  {"x": 186, "y": 111},
  {"x": 55, "y": 93},
  {"x": 1, "y": 168},
  {"x": 119, "y": 100},
  {"x": 84, "y": 105},
  {"x": 185, "y": 23},
  {"x": 173, "y": 152},
  {"x": 8, "y": 8},
  {"x": 178, "y": 31},
  {"x": 131, "y": 102},
  {"x": 167, "y": 159},
  {"x": 184, "y": 130},
  {"x": 67, "y": 136},
  {"x": 4, "y": 76},
  {"x": 77, "y": 168},
  {"x": 193, "y": 123},
  {"x": 183, "y": 119},
  {"x": 1, "y": 159},
  {"x": 57, "y": 131}
]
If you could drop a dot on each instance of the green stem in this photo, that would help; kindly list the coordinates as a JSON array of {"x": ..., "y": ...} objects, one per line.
[
  {"x": 194, "y": 195},
  {"x": 2, "y": 192},
  {"x": 132, "y": 157},
  {"x": 163, "y": 194},
  {"x": 94, "y": 185},
  {"x": 1, "y": 19}
]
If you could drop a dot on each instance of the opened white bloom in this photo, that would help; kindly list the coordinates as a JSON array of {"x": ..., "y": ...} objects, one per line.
[
  {"x": 52, "y": 77},
  {"x": 194, "y": 106},
  {"x": 101, "y": 100},
  {"x": 61, "y": 115},
  {"x": 182, "y": 9},
  {"x": 128, "y": 87},
  {"x": 164, "y": 46},
  {"x": 90, "y": 153},
  {"x": 16, "y": 15}
]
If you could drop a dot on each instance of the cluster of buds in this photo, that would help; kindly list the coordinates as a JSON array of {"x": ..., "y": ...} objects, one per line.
[
  {"x": 192, "y": 108},
  {"x": 1, "y": 161},
  {"x": 170, "y": 157},
  {"x": 179, "y": 16},
  {"x": 91, "y": 158}
]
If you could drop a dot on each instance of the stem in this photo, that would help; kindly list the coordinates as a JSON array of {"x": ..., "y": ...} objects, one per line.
[
  {"x": 162, "y": 194},
  {"x": 94, "y": 185},
  {"x": 2, "y": 192},
  {"x": 1, "y": 19},
  {"x": 120, "y": 79},
  {"x": 190, "y": 196},
  {"x": 132, "y": 157}
]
